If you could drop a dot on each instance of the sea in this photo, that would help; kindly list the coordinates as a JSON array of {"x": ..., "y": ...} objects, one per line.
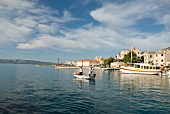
[{"x": 29, "y": 89}]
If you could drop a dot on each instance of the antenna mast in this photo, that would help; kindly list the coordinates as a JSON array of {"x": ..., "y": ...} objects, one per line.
[{"x": 58, "y": 61}]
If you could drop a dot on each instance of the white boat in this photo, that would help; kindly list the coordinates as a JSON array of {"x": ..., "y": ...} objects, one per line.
[
  {"x": 116, "y": 67},
  {"x": 168, "y": 74},
  {"x": 140, "y": 68},
  {"x": 84, "y": 76}
]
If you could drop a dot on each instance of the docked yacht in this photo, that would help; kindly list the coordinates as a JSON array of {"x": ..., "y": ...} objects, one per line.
[{"x": 140, "y": 68}]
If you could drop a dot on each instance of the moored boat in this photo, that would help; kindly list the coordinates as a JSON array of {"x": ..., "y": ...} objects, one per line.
[
  {"x": 168, "y": 74},
  {"x": 140, "y": 68}
]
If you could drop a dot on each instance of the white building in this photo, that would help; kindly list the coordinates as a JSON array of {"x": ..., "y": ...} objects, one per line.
[
  {"x": 116, "y": 64},
  {"x": 122, "y": 54},
  {"x": 87, "y": 63},
  {"x": 98, "y": 58},
  {"x": 148, "y": 57},
  {"x": 70, "y": 63},
  {"x": 162, "y": 57},
  {"x": 126, "y": 51}
]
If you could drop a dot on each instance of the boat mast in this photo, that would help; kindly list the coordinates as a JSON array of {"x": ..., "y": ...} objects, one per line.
[
  {"x": 131, "y": 54},
  {"x": 147, "y": 60},
  {"x": 58, "y": 61}
]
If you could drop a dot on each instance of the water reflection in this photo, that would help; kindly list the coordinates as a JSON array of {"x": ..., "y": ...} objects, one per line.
[
  {"x": 83, "y": 82},
  {"x": 134, "y": 81},
  {"x": 57, "y": 72},
  {"x": 49, "y": 90}
]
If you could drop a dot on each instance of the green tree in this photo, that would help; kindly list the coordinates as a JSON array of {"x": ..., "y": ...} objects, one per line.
[
  {"x": 108, "y": 61},
  {"x": 127, "y": 57}
]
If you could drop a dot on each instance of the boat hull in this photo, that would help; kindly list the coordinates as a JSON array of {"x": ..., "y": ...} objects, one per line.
[
  {"x": 84, "y": 77},
  {"x": 140, "y": 71}
]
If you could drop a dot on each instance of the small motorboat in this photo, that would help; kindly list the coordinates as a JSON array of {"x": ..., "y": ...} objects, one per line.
[{"x": 84, "y": 76}]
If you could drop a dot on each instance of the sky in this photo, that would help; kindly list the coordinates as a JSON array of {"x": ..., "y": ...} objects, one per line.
[{"x": 72, "y": 30}]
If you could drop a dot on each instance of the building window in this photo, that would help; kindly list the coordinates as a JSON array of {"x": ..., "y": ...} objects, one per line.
[
  {"x": 156, "y": 60},
  {"x": 156, "y": 55},
  {"x": 150, "y": 56},
  {"x": 162, "y": 60},
  {"x": 162, "y": 54}
]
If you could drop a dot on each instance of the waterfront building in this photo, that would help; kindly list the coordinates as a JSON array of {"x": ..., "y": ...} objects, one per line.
[
  {"x": 162, "y": 57},
  {"x": 126, "y": 51},
  {"x": 98, "y": 58},
  {"x": 87, "y": 62},
  {"x": 116, "y": 64},
  {"x": 137, "y": 51},
  {"x": 69, "y": 63},
  {"x": 148, "y": 57},
  {"x": 122, "y": 54},
  {"x": 159, "y": 58}
]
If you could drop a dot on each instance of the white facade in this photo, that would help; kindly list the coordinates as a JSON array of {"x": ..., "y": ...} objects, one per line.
[
  {"x": 98, "y": 58},
  {"x": 116, "y": 64},
  {"x": 87, "y": 63},
  {"x": 137, "y": 51},
  {"x": 148, "y": 57},
  {"x": 162, "y": 57},
  {"x": 124, "y": 52},
  {"x": 79, "y": 63},
  {"x": 70, "y": 63},
  {"x": 167, "y": 57}
]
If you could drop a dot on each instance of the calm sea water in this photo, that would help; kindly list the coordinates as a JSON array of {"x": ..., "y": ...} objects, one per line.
[{"x": 31, "y": 89}]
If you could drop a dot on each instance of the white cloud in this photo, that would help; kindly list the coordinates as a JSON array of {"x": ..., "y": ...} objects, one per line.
[
  {"x": 27, "y": 22},
  {"x": 11, "y": 33},
  {"x": 121, "y": 17},
  {"x": 23, "y": 20},
  {"x": 46, "y": 41},
  {"x": 41, "y": 42},
  {"x": 50, "y": 29},
  {"x": 77, "y": 40},
  {"x": 38, "y": 28},
  {"x": 166, "y": 22},
  {"x": 124, "y": 15},
  {"x": 17, "y": 4}
]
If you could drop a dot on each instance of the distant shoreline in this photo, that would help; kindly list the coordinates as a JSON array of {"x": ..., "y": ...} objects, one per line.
[{"x": 65, "y": 67}]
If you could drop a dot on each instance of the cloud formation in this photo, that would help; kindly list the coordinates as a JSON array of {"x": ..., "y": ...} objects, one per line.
[
  {"x": 33, "y": 26},
  {"x": 121, "y": 19},
  {"x": 24, "y": 21}
]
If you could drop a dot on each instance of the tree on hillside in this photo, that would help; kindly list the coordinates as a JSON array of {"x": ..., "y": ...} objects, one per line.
[
  {"x": 108, "y": 61},
  {"x": 127, "y": 57}
]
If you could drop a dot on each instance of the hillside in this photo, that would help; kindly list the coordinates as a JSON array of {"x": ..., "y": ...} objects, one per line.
[{"x": 20, "y": 61}]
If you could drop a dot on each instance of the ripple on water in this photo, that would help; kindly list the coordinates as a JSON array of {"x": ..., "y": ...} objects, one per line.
[{"x": 45, "y": 91}]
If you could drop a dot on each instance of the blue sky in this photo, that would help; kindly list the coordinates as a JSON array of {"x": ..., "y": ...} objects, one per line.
[{"x": 77, "y": 29}]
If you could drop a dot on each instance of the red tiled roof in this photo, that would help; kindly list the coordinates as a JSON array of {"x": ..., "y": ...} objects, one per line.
[{"x": 87, "y": 60}]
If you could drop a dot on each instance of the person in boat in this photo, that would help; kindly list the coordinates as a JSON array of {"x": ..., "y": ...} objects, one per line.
[
  {"x": 80, "y": 71},
  {"x": 91, "y": 71}
]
